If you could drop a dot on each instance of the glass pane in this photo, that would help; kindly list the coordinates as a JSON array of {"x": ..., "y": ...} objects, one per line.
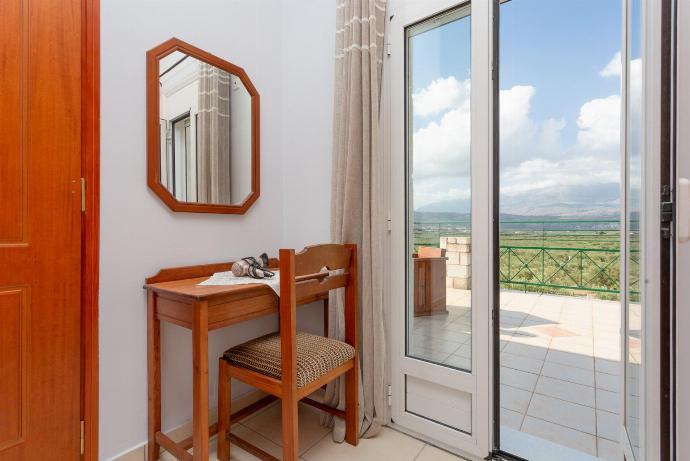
[
  {"x": 439, "y": 265},
  {"x": 560, "y": 228},
  {"x": 633, "y": 325}
]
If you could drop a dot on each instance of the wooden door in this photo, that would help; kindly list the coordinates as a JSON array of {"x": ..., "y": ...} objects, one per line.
[{"x": 40, "y": 229}]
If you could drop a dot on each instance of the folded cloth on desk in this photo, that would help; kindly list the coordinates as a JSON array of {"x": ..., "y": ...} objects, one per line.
[{"x": 228, "y": 278}]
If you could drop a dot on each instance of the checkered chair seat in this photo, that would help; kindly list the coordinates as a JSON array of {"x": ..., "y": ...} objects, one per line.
[{"x": 316, "y": 356}]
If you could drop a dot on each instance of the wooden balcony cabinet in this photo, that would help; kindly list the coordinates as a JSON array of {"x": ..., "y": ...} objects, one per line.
[{"x": 430, "y": 281}]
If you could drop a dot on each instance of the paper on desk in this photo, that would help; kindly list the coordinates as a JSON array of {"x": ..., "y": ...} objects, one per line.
[{"x": 228, "y": 278}]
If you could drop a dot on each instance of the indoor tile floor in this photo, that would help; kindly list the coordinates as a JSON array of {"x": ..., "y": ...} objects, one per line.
[{"x": 263, "y": 429}]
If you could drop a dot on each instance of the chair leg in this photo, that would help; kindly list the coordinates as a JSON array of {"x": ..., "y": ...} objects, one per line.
[
  {"x": 290, "y": 430},
  {"x": 352, "y": 406},
  {"x": 224, "y": 395}
]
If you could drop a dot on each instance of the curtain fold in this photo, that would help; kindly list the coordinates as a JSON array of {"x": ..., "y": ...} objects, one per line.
[
  {"x": 213, "y": 136},
  {"x": 357, "y": 198}
]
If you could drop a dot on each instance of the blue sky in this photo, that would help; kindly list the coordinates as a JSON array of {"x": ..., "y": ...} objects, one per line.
[
  {"x": 559, "y": 47},
  {"x": 559, "y": 85}
]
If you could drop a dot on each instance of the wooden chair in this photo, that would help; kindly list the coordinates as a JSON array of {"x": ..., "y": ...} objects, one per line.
[{"x": 292, "y": 365}]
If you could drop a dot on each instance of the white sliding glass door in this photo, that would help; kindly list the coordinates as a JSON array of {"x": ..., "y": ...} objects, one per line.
[
  {"x": 440, "y": 195},
  {"x": 644, "y": 422},
  {"x": 632, "y": 318}
]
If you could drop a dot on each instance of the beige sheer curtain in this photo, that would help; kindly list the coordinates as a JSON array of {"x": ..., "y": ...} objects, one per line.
[
  {"x": 213, "y": 136},
  {"x": 357, "y": 207}
]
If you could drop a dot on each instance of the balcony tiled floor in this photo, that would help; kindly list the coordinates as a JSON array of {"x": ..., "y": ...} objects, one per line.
[
  {"x": 559, "y": 364},
  {"x": 560, "y": 370}
]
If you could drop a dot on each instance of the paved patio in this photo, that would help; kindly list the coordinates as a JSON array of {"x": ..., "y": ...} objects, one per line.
[{"x": 559, "y": 366}]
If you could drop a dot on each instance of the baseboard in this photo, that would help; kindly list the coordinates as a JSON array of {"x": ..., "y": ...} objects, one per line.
[{"x": 183, "y": 431}]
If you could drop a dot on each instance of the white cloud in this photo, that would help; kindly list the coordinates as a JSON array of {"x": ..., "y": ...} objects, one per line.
[
  {"x": 522, "y": 137},
  {"x": 514, "y": 111},
  {"x": 536, "y": 166},
  {"x": 599, "y": 123},
  {"x": 442, "y": 147},
  {"x": 614, "y": 67},
  {"x": 542, "y": 175},
  {"x": 441, "y": 94}
]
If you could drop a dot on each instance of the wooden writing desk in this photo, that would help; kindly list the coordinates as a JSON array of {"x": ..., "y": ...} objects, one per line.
[{"x": 174, "y": 296}]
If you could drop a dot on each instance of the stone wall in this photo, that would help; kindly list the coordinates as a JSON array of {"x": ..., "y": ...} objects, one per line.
[{"x": 459, "y": 266}]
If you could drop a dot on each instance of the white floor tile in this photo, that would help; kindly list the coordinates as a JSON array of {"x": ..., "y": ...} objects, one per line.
[
  {"x": 573, "y": 359},
  {"x": 608, "y": 382},
  {"x": 565, "y": 390},
  {"x": 511, "y": 419},
  {"x": 608, "y": 401},
  {"x": 388, "y": 445},
  {"x": 430, "y": 453},
  {"x": 517, "y": 378},
  {"x": 515, "y": 399},
  {"x": 516, "y": 347},
  {"x": 268, "y": 424},
  {"x": 560, "y": 435},
  {"x": 608, "y": 450},
  {"x": 521, "y": 363},
  {"x": 564, "y": 413},
  {"x": 608, "y": 425},
  {"x": 612, "y": 367},
  {"x": 566, "y": 373}
]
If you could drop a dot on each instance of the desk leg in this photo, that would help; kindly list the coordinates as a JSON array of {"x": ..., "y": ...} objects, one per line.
[
  {"x": 200, "y": 381},
  {"x": 154, "y": 377}
]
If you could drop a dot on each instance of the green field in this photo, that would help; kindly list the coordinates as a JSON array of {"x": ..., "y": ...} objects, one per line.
[{"x": 561, "y": 257}]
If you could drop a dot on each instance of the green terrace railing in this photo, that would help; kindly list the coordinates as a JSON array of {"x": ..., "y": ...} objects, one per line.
[
  {"x": 589, "y": 269},
  {"x": 557, "y": 254}
]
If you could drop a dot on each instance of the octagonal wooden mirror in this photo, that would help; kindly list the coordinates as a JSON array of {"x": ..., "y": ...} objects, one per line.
[{"x": 203, "y": 131}]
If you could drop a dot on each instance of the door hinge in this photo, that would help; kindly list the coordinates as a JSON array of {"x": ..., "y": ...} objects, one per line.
[
  {"x": 667, "y": 212},
  {"x": 82, "y": 432},
  {"x": 82, "y": 182},
  {"x": 390, "y": 395},
  {"x": 390, "y": 222},
  {"x": 387, "y": 45}
]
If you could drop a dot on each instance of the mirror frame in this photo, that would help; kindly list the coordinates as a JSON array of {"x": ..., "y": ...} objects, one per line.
[{"x": 153, "y": 57}]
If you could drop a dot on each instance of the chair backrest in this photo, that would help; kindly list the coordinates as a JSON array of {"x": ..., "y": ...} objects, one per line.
[
  {"x": 332, "y": 256},
  {"x": 319, "y": 269},
  {"x": 308, "y": 276}
]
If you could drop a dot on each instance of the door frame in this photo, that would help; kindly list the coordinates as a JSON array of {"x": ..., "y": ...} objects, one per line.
[
  {"x": 651, "y": 261},
  {"x": 653, "y": 266},
  {"x": 681, "y": 370},
  {"x": 90, "y": 142},
  {"x": 478, "y": 444}
]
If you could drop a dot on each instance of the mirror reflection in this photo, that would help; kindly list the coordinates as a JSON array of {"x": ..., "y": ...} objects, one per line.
[{"x": 205, "y": 132}]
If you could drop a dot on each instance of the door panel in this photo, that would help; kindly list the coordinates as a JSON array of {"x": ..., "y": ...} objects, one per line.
[
  {"x": 439, "y": 106},
  {"x": 40, "y": 229},
  {"x": 13, "y": 334}
]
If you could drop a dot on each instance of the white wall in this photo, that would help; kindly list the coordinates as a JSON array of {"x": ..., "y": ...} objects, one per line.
[
  {"x": 286, "y": 47},
  {"x": 308, "y": 69}
]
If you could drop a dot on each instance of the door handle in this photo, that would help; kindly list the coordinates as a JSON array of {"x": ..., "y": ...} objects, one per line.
[{"x": 683, "y": 210}]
